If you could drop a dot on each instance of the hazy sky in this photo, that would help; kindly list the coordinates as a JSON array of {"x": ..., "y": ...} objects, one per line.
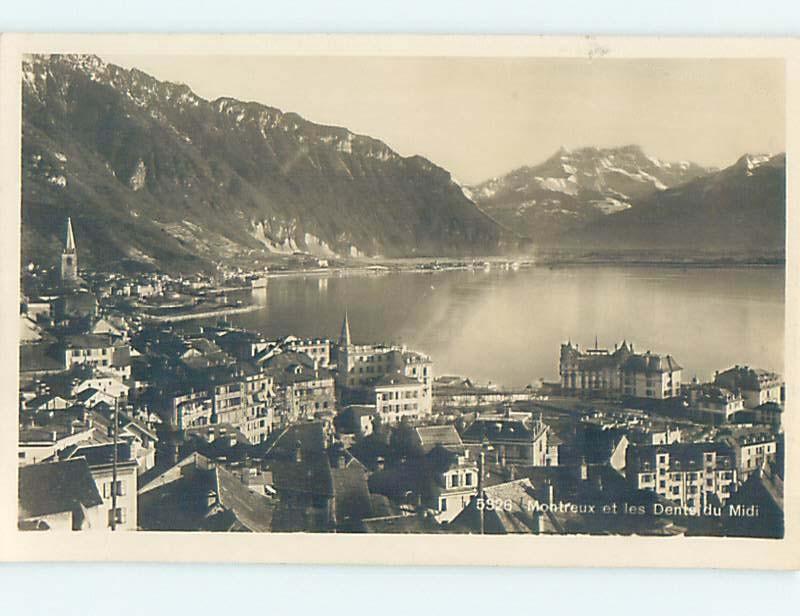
[{"x": 481, "y": 117}]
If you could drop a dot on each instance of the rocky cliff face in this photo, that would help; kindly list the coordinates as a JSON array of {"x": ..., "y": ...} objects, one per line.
[{"x": 153, "y": 173}]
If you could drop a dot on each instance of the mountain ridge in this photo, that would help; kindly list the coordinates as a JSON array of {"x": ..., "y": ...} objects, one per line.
[
  {"x": 572, "y": 188},
  {"x": 212, "y": 179}
]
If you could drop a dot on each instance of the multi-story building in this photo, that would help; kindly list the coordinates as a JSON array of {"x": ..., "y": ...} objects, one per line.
[
  {"x": 185, "y": 408},
  {"x": 713, "y": 403},
  {"x": 399, "y": 397},
  {"x": 753, "y": 450},
  {"x": 243, "y": 400},
  {"x": 362, "y": 366},
  {"x": 100, "y": 352},
  {"x": 302, "y": 389},
  {"x": 756, "y": 386},
  {"x": 514, "y": 439},
  {"x": 318, "y": 349},
  {"x": 620, "y": 372},
  {"x": 455, "y": 478},
  {"x": 688, "y": 474}
]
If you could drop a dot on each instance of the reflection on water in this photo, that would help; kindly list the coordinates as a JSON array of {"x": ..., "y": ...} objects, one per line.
[{"x": 507, "y": 326}]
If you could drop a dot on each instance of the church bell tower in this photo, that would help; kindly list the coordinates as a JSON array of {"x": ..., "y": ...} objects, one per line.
[{"x": 69, "y": 258}]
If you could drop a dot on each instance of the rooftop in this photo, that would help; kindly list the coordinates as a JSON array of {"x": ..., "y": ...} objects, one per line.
[{"x": 56, "y": 487}]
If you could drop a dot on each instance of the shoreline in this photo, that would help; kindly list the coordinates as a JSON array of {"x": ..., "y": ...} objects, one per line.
[{"x": 202, "y": 315}]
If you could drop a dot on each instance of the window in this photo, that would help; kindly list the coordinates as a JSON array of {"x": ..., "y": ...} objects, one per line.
[
  {"x": 120, "y": 515},
  {"x": 468, "y": 479},
  {"x": 443, "y": 504},
  {"x": 454, "y": 481}
]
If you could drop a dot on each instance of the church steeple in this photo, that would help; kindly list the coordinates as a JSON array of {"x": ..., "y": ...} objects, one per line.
[
  {"x": 344, "y": 337},
  {"x": 69, "y": 257},
  {"x": 69, "y": 245}
]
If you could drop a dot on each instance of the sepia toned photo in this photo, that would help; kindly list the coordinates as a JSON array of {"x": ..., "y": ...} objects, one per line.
[{"x": 442, "y": 296}]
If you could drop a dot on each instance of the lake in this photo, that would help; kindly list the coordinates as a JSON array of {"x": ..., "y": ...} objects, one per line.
[{"x": 506, "y": 326}]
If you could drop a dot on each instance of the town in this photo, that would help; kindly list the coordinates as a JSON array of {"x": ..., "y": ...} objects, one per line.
[{"x": 133, "y": 416}]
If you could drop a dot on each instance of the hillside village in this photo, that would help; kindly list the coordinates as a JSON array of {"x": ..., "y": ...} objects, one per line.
[{"x": 131, "y": 419}]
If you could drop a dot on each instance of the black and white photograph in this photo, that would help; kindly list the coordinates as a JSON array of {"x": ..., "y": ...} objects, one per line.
[{"x": 459, "y": 295}]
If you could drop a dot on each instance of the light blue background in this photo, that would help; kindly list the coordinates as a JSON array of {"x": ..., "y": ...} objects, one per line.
[{"x": 155, "y": 589}]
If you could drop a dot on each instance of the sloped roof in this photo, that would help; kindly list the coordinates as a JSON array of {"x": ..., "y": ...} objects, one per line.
[
  {"x": 651, "y": 363},
  {"x": 394, "y": 380},
  {"x": 252, "y": 511},
  {"x": 351, "y": 494},
  {"x": 517, "y": 517},
  {"x": 497, "y": 429},
  {"x": 446, "y": 436},
  {"x": 56, "y": 487}
]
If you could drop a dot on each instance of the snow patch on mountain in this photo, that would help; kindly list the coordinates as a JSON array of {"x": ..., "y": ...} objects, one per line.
[{"x": 568, "y": 185}]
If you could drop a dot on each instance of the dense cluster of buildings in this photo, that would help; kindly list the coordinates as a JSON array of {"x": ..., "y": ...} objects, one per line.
[{"x": 128, "y": 422}]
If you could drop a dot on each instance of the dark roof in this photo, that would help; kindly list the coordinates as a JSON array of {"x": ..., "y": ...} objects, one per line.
[
  {"x": 651, "y": 363},
  {"x": 351, "y": 494},
  {"x": 745, "y": 377},
  {"x": 56, "y": 487},
  {"x": 310, "y": 435},
  {"x": 197, "y": 494},
  {"x": 99, "y": 455},
  {"x": 396, "y": 379},
  {"x": 40, "y": 358},
  {"x": 88, "y": 341},
  {"x": 497, "y": 429},
  {"x": 682, "y": 456}
]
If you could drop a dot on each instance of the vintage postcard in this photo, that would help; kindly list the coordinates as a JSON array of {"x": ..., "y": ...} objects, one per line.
[{"x": 400, "y": 300}]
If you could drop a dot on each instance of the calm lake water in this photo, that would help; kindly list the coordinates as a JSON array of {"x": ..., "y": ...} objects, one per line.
[{"x": 506, "y": 326}]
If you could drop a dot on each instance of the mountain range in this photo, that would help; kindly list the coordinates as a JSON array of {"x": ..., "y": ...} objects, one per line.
[
  {"x": 153, "y": 174},
  {"x": 573, "y": 188}
]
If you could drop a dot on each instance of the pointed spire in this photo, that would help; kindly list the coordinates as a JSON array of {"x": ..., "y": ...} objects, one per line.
[
  {"x": 69, "y": 245},
  {"x": 344, "y": 337},
  {"x": 595, "y": 342}
]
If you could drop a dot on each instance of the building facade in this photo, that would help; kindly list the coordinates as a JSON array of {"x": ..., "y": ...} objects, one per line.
[
  {"x": 713, "y": 403},
  {"x": 399, "y": 397},
  {"x": 362, "y": 366},
  {"x": 621, "y": 372},
  {"x": 756, "y": 386},
  {"x": 688, "y": 474}
]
